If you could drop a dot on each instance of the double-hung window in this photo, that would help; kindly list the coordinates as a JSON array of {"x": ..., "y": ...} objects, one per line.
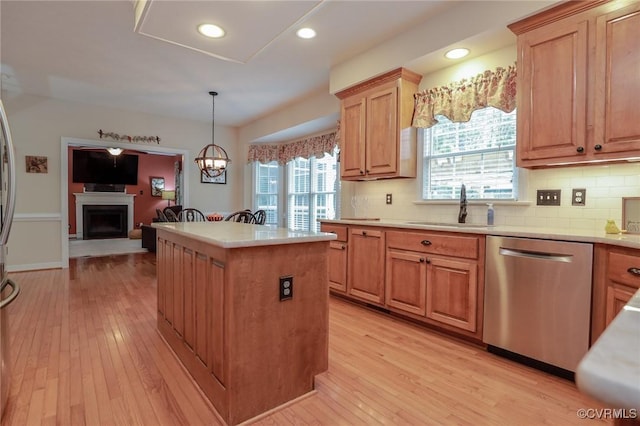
[
  {"x": 479, "y": 153},
  {"x": 303, "y": 190}
]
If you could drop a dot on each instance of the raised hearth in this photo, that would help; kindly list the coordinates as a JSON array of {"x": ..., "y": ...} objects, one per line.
[{"x": 102, "y": 199}]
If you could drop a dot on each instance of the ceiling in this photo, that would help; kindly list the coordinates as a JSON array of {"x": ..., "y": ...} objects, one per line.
[{"x": 97, "y": 52}]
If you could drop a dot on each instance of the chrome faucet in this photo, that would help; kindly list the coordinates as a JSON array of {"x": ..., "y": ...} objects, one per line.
[{"x": 462, "y": 215}]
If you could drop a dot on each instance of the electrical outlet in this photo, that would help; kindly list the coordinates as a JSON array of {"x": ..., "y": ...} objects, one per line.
[
  {"x": 286, "y": 288},
  {"x": 389, "y": 198},
  {"x": 578, "y": 197},
  {"x": 548, "y": 197}
]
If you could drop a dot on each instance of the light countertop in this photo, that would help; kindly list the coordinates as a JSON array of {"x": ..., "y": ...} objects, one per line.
[
  {"x": 610, "y": 371},
  {"x": 550, "y": 233},
  {"x": 235, "y": 235}
]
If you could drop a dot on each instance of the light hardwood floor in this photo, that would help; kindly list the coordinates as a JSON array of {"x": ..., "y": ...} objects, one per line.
[{"x": 85, "y": 350}]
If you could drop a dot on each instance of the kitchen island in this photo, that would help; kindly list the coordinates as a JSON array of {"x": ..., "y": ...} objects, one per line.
[{"x": 245, "y": 309}]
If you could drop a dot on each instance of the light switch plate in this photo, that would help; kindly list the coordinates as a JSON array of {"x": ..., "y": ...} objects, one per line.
[{"x": 548, "y": 197}]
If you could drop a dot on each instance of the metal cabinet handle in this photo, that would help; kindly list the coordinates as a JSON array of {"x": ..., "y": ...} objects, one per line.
[
  {"x": 425, "y": 242},
  {"x": 422, "y": 259},
  {"x": 342, "y": 247},
  {"x": 598, "y": 147},
  {"x": 634, "y": 271},
  {"x": 361, "y": 172},
  {"x": 368, "y": 171},
  {"x": 364, "y": 233},
  {"x": 580, "y": 149}
]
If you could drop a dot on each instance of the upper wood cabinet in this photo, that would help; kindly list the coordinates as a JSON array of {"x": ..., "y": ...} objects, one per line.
[
  {"x": 578, "y": 67},
  {"x": 377, "y": 140}
]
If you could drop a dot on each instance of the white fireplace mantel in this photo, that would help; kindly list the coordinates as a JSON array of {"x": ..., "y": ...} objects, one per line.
[{"x": 104, "y": 199}]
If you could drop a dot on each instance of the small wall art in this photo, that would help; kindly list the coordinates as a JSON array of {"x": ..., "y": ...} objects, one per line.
[
  {"x": 157, "y": 186},
  {"x": 217, "y": 179},
  {"x": 36, "y": 164}
]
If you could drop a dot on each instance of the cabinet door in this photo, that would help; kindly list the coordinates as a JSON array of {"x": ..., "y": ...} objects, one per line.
[
  {"x": 352, "y": 129},
  {"x": 552, "y": 87},
  {"x": 451, "y": 292},
  {"x": 338, "y": 265},
  {"x": 617, "y": 297},
  {"x": 617, "y": 81},
  {"x": 366, "y": 265},
  {"x": 406, "y": 281},
  {"x": 382, "y": 131}
]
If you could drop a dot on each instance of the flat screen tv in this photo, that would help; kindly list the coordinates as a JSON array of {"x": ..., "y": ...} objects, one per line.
[{"x": 102, "y": 167}]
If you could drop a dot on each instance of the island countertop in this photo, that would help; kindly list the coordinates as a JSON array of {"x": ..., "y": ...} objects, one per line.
[
  {"x": 234, "y": 235},
  {"x": 610, "y": 371}
]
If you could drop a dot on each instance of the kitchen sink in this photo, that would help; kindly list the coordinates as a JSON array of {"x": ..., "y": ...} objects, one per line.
[{"x": 450, "y": 224}]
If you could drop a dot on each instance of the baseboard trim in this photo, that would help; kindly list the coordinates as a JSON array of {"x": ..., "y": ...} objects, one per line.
[{"x": 34, "y": 266}]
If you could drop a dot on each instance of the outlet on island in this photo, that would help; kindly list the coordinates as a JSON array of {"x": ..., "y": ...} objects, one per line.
[
  {"x": 286, "y": 288},
  {"x": 389, "y": 198}
]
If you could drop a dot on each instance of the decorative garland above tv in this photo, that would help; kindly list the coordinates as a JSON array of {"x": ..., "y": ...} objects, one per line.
[{"x": 102, "y": 167}]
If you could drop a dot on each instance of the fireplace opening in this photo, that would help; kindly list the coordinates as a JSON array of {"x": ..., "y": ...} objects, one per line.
[{"x": 104, "y": 221}]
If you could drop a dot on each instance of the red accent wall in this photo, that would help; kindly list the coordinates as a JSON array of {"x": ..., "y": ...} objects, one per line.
[{"x": 144, "y": 205}]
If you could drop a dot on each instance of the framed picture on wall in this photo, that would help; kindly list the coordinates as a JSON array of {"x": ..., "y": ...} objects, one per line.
[
  {"x": 157, "y": 186},
  {"x": 217, "y": 179}
]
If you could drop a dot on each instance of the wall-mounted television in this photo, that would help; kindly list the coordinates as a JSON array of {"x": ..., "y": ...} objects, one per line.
[{"x": 102, "y": 167}]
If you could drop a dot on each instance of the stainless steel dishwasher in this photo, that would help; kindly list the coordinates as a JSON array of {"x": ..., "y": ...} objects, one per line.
[{"x": 538, "y": 301}]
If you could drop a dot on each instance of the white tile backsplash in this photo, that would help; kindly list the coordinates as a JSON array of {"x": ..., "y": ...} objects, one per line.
[{"x": 605, "y": 185}]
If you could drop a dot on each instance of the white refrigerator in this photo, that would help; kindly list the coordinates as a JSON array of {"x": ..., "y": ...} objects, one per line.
[{"x": 9, "y": 290}]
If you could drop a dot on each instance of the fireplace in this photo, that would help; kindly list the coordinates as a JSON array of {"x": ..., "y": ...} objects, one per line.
[
  {"x": 104, "y": 221},
  {"x": 105, "y": 204}
]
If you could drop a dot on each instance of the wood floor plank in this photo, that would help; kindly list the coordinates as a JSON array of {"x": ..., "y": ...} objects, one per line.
[{"x": 86, "y": 351}]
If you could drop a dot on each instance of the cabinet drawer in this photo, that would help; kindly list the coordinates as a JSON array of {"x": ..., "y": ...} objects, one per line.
[
  {"x": 436, "y": 243},
  {"x": 340, "y": 231},
  {"x": 624, "y": 269}
]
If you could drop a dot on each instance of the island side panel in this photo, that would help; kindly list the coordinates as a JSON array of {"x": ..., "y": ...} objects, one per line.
[
  {"x": 191, "y": 315},
  {"x": 277, "y": 347}
]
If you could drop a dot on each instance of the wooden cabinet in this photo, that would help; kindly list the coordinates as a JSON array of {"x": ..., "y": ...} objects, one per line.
[
  {"x": 577, "y": 84},
  {"x": 616, "y": 279},
  {"x": 377, "y": 138},
  {"x": 406, "y": 281},
  {"x": 366, "y": 265},
  {"x": 437, "y": 277},
  {"x": 338, "y": 256}
]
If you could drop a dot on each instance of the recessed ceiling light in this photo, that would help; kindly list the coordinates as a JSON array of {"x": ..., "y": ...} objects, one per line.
[
  {"x": 306, "y": 33},
  {"x": 457, "y": 53},
  {"x": 210, "y": 30}
]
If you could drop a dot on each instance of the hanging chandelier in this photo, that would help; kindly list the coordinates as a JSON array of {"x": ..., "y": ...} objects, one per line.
[{"x": 212, "y": 159}]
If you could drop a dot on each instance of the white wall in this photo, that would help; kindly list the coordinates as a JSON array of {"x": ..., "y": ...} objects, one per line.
[
  {"x": 38, "y": 124},
  {"x": 605, "y": 184}
]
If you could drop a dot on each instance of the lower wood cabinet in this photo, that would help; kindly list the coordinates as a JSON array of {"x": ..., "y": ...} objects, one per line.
[
  {"x": 366, "y": 265},
  {"x": 430, "y": 276},
  {"x": 406, "y": 282},
  {"x": 616, "y": 280},
  {"x": 452, "y": 287},
  {"x": 338, "y": 257}
]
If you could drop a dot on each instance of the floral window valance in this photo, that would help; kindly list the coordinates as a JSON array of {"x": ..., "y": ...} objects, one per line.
[
  {"x": 458, "y": 100},
  {"x": 315, "y": 146}
]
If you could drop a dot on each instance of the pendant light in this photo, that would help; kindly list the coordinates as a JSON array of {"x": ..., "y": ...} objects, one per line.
[
  {"x": 114, "y": 151},
  {"x": 212, "y": 159}
]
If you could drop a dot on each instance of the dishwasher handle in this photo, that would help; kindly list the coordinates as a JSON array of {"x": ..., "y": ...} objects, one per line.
[{"x": 555, "y": 257}]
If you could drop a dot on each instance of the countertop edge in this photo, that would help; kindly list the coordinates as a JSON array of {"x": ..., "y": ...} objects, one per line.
[
  {"x": 585, "y": 236},
  {"x": 257, "y": 235}
]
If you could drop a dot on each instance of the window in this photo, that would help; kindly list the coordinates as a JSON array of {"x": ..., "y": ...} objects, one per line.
[
  {"x": 478, "y": 153},
  {"x": 266, "y": 190},
  {"x": 312, "y": 191}
]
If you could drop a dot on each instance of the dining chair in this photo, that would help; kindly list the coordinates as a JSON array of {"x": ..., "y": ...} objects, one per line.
[
  {"x": 171, "y": 216},
  {"x": 260, "y": 217},
  {"x": 161, "y": 216},
  {"x": 243, "y": 216},
  {"x": 191, "y": 215}
]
